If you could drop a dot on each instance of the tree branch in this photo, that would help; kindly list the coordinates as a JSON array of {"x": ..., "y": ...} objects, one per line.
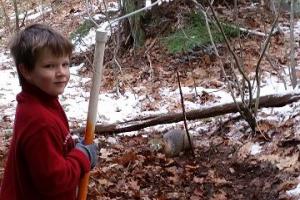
[{"x": 137, "y": 124}]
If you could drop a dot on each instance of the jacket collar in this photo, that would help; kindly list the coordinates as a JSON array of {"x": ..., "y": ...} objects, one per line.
[{"x": 33, "y": 90}]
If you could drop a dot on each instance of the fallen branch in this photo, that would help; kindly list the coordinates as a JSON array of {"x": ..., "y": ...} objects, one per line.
[
  {"x": 137, "y": 124},
  {"x": 250, "y": 31},
  {"x": 289, "y": 142}
]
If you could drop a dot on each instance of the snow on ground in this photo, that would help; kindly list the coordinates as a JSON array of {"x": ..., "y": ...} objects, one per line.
[
  {"x": 33, "y": 14},
  {"x": 113, "y": 108}
]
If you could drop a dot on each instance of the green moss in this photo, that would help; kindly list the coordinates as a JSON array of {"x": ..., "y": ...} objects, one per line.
[
  {"x": 195, "y": 34},
  {"x": 82, "y": 30}
]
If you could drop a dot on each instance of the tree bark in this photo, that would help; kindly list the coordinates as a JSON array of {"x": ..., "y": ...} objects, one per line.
[
  {"x": 140, "y": 123},
  {"x": 15, "y": 3},
  {"x": 7, "y": 20},
  {"x": 292, "y": 43},
  {"x": 135, "y": 24}
]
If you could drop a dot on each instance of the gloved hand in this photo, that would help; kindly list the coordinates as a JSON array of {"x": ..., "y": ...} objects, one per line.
[
  {"x": 77, "y": 138},
  {"x": 90, "y": 150}
]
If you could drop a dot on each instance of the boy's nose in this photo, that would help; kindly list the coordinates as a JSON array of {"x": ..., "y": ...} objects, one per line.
[{"x": 61, "y": 70}]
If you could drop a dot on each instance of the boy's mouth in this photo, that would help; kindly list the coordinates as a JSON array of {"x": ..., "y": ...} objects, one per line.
[{"x": 60, "y": 83}]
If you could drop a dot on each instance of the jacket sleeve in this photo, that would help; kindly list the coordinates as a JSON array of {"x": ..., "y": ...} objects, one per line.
[{"x": 51, "y": 171}]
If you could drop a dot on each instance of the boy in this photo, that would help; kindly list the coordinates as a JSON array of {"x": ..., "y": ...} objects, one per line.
[{"x": 43, "y": 161}]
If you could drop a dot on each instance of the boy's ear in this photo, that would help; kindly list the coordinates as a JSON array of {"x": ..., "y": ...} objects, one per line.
[{"x": 25, "y": 72}]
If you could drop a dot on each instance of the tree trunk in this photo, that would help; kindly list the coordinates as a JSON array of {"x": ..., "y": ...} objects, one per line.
[
  {"x": 17, "y": 15},
  {"x": 292, "y": 67},
  {"x": 7, "y": 21},
  {"x": 134, "y": 29},
  {"x": 137, "y": 124}
]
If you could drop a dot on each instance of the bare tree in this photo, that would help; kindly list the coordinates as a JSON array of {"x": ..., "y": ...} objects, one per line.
[
  {"x": 7, "y": 21},
  {"x": 133, "y": 24},
  {"x": 240, "y": 87},
  {"x": 292, "y": 68},
  {"x": 15, "y": 3}
]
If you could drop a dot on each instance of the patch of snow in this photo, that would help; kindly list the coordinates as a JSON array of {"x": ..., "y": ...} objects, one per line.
[
  {"x": 9, "y": 86},
  {"x": 162, "y": 1},
  {"x": 119, "y": 108},
  {"x": 5, "y": 58},
  {"x": 99, "y": 16},
  {"x": 40, "y": 13},
  {"x": 107, "y": 26},
  {"x": 110, "y": 6},
  {"x": 34, "y": 13},
  {"x": 113, "y": 108},
  {"x": 86, "y": 42},
  {"x": 255, "y": 149},
  {"x": 112, "y": 140},
  {"x": 147, "y": 3},
  {"x": 295, "y": 191},
  {"x": 285, "y": 27}
]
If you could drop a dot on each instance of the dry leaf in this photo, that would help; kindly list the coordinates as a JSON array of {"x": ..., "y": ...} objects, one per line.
[
  {"x": 198, "y": 179},
  {"x": 127, "y": 158},
  {"x": 219, "y": 196},
  {"x": 287, "y": 163},
  {"x": 134, "y": 185}
]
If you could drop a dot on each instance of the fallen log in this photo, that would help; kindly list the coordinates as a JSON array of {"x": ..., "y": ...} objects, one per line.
[{"x": 140, "y": 123}]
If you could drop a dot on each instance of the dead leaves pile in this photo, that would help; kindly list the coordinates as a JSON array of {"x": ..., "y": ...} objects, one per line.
[{"x": 222, "y": 170}]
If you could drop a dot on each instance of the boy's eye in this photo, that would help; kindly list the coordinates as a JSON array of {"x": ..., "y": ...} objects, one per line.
[
  {"x": 49, "y": 66},
  {"x": 66, "y": 64}
]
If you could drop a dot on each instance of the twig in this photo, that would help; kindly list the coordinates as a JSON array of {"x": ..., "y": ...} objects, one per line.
[
  {"x": 232, "y": 53},
  {"x": 217, "y": 53},
  {"x": 236, "y": 82},
  {"x": 292, "y": 43},
  {"x": 150, "y": 65},
  {"x": 266, "y": 137},
  {"x": 89, "y": 14},
  {"x": 247, "y": 105},
  {"x": 277, "y": 70},
  {"x": 151, "y": 45},
  {"x": 257, "y": 73},
  {"x": 23, "y": 20},
  {"x": 246, "y": 30},
  {"x": 184, "y": 114}
]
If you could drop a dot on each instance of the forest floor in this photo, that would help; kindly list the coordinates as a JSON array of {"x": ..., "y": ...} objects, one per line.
[{"x": 230, "y": 162}]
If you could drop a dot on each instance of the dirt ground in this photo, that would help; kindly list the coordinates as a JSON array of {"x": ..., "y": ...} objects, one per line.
[{"x": 222, "y": 167}]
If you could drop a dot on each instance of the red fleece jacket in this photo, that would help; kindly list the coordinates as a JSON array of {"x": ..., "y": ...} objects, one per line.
[{"x": 42, "y": 162}]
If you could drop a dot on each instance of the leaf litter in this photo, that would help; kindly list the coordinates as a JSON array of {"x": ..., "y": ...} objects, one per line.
[{"x": 229, "y": 162}]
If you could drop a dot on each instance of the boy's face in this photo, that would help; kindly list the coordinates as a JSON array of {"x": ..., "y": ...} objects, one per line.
[{"x": 50, "y": 73}]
